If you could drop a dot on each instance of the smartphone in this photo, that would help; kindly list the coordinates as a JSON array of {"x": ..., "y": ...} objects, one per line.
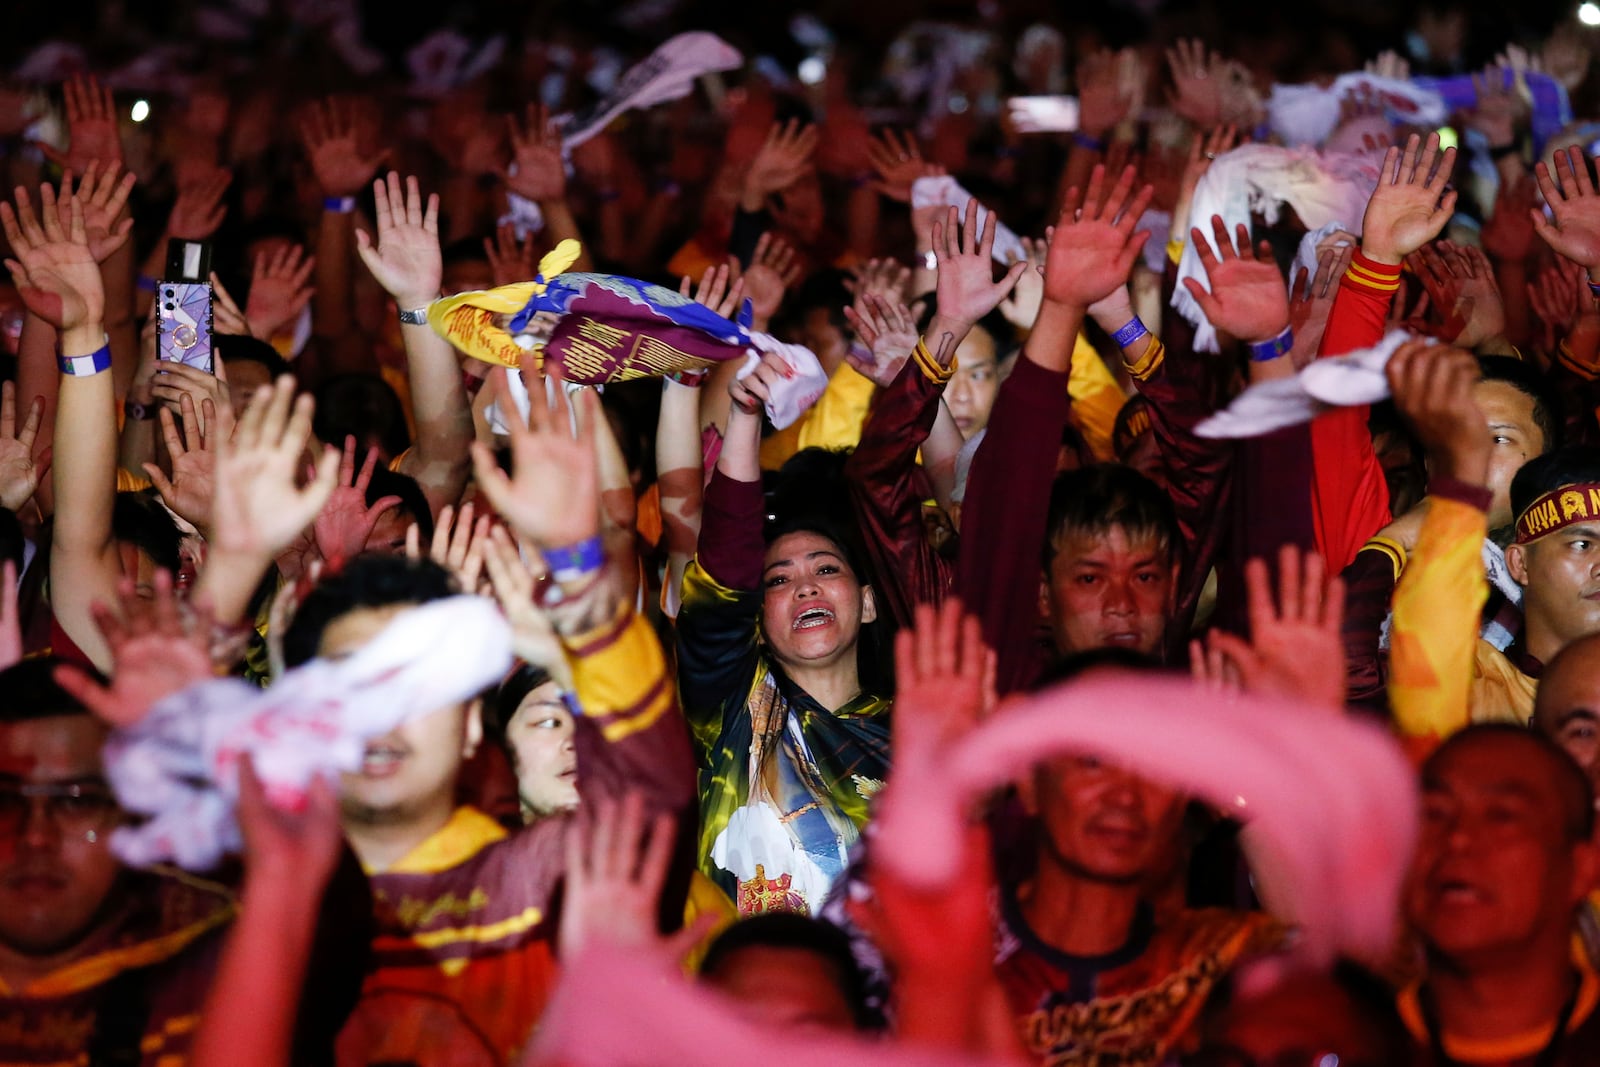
[
  {"x": 1043, "y": 114},
  {"x": 183, "y": 306}
]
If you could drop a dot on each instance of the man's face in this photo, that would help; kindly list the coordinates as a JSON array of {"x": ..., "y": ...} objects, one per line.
[
  {"x": 1103, "y": 822},
  {"x": 1110, "y": 590},
  {"x": 410, "y": 773},
  {"x": 785, "y": 988},
  {"x": 542, "y": 750},
  {"x": 1517, "y": 439},
  {"x": 1496, "y": 870},
  {"x": 1567, "y": 707},
  {"x": 972, "y": 389},
  {"x": 1561, "y": 573},
  {"x": 54, "y": 880},
  {"x": 814, "y": 605}
]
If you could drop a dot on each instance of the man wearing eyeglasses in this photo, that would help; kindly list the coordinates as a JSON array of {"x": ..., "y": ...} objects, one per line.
[{"x": 100, "y": 964}]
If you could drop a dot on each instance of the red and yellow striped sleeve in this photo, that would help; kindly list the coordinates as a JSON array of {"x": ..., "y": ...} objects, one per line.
[
  {"x": 619, "y": 675},
  {"x": 1437, "y": 607}
]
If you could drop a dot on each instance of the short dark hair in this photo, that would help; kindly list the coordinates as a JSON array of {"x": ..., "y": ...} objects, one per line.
[
  {"x": 503, "y": 702},
  {"x": 139, "y": 518},
  {"x": 363, "y": 406},
  {"x": 1094, "y": 499},
  {"x": 1567, "y": 465},
  {"x": 413, "y": 501},
  {"x": 1577, "y": 793},
  {"x": 371, "y": 580},
  {"x": 237, "y": 348},
  {"x": 32, "y": 692},
  {"x": 1524, "y": 379},
  {"x": 791, "y": 930}
]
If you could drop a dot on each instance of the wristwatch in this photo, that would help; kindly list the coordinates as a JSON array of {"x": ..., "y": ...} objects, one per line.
[{"x": 415, "y": 316}]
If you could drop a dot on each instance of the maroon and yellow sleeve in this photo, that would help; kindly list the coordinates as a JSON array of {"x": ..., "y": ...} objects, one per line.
[
  {"x": 1437, "y": 606},
  {"x": 1349, "y": 497},
  {"x": 619, "y": 675}
]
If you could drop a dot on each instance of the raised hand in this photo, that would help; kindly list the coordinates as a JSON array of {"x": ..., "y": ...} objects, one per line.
[
  {"x": 406, "y": 260},
  {"x": 898, "y": 162},
  {"x": 257, "y": 511},
  {"x": 208, "y": 392},
  {"x": 1432, "y": 388},
  {"x": 533, "y": 636},
  {"x": 541, "y": 173},
  {"x": 103, "y": 196},
  {"x": 966, "y": 290},
  {"x": 1573, "y": 201},
  {"x": 159, "y": 646},
  {"x": 199, "y": 209},
  {"x": 1109, "y": 83},
  {"x": 193, "y": 457},
  {"x": 1295, "y": 649},
  {"x": 1207, "y": 89},
  {"x": 1021, "y": 307},
  {"x": 20, "y": 471},
  {"x": 553, "y": 497},
  {"x": 1312, "y": 300},
  {"x": 300, "y": 845},
  {"x": 773, "y": 270},
  {"x": 226, "y": 318},
  {"x": 333, "y": 136},
  {"x": 1412, "y": 202},
  {"x": 1560, "y": 297},
  {"x": 91, "y": 127},
  {"x": 1461, "y": 287},
  {"x": 342, "y": 527},
  {"x": 783, "y": 158},
  {"x": 888, "y": 329},
  {"x": 278, "y": 289},
  {"x": 458, "y": 544},
  {"x": 715, "y": 290},
  {"x": 884, "y": 277},
  {"x": 1498, "y": 108},
  {"x": 509, "y": 260},
  {"x": 1093, "y": 246},
  {"x": 616, "y": 866},
  {"x": 54, "y": 271},
  {"x": 1247, "y": 298}
]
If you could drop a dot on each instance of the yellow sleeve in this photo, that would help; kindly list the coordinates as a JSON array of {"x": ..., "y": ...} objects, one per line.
[
  {"x": 834, "y": 422},
  {"x": 1096, "y": 398},
  {"x": 619, "y": 675},
  {"x": 1434, "y": 635}
]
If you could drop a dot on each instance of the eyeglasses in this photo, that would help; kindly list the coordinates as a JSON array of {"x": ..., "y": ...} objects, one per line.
[{"x": 78, "y": 809}]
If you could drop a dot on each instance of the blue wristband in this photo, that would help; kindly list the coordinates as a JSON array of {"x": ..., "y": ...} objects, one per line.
[
  {"x": 1265, "y": 351},
  {"x": 339, "y": 205},
  {"x": 575, "y": 561},
  {"x": 145, "y": 284},
  {"x": 86, "y": 366},
  {"x": 1130, "y": 333},
  {"x": 1092, "y": 144},
  {"x": 1594, "y": 290}
]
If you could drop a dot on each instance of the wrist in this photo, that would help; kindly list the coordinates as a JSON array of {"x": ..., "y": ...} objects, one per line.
[
  {"x": 83, "y": 339},
  {"x": 1274, "y": 346},
  {"x": 575, "y": 562},
  {"x": 940, "y": 325},
  {"x": 1378, "y": 254},
  {"x": 1110, "y": 314},
  {"x": 413, "y": 301}
]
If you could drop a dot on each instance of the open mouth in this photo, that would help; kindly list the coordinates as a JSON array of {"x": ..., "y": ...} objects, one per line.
[
  {"x": 811, "y": 618},
  {"x": 381, "y": 759}
]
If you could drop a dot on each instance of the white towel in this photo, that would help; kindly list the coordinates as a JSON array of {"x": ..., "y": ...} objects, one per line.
[
  {"x": 1307, "y": 114},
  {"x": 791, "y": 397}
]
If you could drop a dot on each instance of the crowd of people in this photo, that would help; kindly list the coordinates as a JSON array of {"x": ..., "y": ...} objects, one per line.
[{"x": 614, "y": 486}]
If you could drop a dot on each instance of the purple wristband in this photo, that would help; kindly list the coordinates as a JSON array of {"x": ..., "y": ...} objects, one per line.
[
  {"x": 1088, "y": 143},
  {"x": 1130, "y": 333},
  {"x": 1266, "y": 351}
]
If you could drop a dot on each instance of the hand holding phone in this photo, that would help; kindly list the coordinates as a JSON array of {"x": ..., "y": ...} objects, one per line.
[{"x": 183, "y": 306}]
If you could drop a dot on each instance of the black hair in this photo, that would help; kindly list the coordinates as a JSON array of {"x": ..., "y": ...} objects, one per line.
[
  {"x": 801, "y": 933},
  {"x": 503, "y": 702},
  {"x": 236, "y": 348},
  {"x": 1567, "y": 465},
  {"x": 371, "y": 580},
  {"x": 413, "y": 501},
  {"x": 1093, "y": 499},
  {"x": 139, "y": 519},
  {"x": 1524, "y": 379},
  {"x": 13, "y": 545},
  {"x": 824, "y": 290},
  {"x": 463, "y": 250},
  {"x": 1384, "y": 1032},
  {"x": 31, "y": 691},
  {"x": 1066, "y": 668},
  {"x": 363, "y": 406},
  {"x": 1577, "y": 792}
]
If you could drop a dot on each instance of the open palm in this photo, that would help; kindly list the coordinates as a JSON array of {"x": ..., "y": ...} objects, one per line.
[
  {"x": 406, "y": 260},
  {"x": 1575, "y": 233}
]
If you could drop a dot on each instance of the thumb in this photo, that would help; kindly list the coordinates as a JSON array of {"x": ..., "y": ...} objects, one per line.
[
  {"x": 1009, "y": 282},
  {"x": 160, "y": 481}
]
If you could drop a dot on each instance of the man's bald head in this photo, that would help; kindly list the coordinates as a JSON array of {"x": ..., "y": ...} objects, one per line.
[{"x": 1567, "y": 707}]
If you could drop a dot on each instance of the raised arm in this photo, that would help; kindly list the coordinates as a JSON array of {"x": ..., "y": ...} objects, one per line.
[
  {"x": 1092, "y": 251},
  {"x": 56, "y": 273},
  {"x": 541, "y": 176},
  {"x": 406, "y": 261}
]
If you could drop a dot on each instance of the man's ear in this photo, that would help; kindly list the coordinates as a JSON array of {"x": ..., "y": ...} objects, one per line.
[
  {"x": 869, "y": 605},
  {"x": 474, "y": 732},
  {"x": 1517, "y": 562}
]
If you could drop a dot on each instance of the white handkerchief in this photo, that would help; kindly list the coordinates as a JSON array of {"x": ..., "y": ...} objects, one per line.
[{"x": 791, "y": 397}]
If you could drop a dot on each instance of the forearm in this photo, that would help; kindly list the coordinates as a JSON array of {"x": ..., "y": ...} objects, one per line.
[
  {"x": 731, "y": 549},
  {"x": 37, "y": 376},
  {"x": 1054, "y": 332},
  {"x": 440, "y": 462},
  {"x": 331, "y": 315},
  {"x": 939, "y": 453},
  {"x": 1513, "y": 278},
  {"x": 561, "y": 225},
  {"x": 741, "y": 446},
  {"x": 679, "y": 469},
  {"x": 117, "y": 276},
  {"x": 861, "y": 220},
  {"x": 250, "y": 1011}
]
